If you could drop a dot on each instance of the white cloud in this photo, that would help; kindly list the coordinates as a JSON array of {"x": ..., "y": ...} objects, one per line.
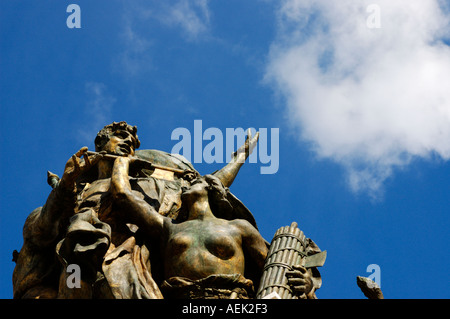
[
  {"x": 136, "y": 57},
  {"x": 192, "y": 16},
  {"x": 370, "y": 99},
  {"x": 98, "y": 111}
]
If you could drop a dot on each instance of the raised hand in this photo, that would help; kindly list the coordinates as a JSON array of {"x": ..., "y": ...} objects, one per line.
[
  {"x": 79, "y": 163},
  {"x": 245, "y": 150}
]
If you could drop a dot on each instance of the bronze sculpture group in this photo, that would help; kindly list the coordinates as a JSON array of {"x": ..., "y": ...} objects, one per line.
[{"x": 146, "y": 224}]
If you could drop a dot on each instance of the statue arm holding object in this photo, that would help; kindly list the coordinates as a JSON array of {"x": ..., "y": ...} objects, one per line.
[{"x": 134, "y": 208}]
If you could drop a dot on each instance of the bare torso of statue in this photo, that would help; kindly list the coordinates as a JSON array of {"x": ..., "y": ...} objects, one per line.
[{"x": 199, "y": 248}]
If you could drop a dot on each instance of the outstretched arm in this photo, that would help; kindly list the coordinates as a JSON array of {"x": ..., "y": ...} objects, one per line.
[
  {"x": 229, "y": 172},
  {"x": 137, "y": 210}
]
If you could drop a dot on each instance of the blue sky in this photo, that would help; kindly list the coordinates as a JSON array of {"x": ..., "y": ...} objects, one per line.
[{"x": 363, "y": 114}]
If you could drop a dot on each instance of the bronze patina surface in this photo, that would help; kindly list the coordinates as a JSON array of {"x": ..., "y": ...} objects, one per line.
[{"x": 146, "y": 224}]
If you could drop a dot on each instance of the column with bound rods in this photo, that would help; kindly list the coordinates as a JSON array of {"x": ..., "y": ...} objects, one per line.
[{"x": 286, "y": 249}]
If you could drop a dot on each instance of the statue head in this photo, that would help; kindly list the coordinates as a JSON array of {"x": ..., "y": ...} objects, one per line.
[
  {"x": 117, "y": 138},
  {"x": 209, "y": 187},
  {"x": 218, "y": 197}
]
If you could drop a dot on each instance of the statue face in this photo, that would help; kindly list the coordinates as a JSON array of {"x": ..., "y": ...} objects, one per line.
[
  {"x": 199, "y": 187},
  {"x": 121, "y": 142}
]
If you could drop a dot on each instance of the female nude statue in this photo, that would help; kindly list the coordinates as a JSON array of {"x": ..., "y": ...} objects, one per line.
[{"x": 201, "y": 246}]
